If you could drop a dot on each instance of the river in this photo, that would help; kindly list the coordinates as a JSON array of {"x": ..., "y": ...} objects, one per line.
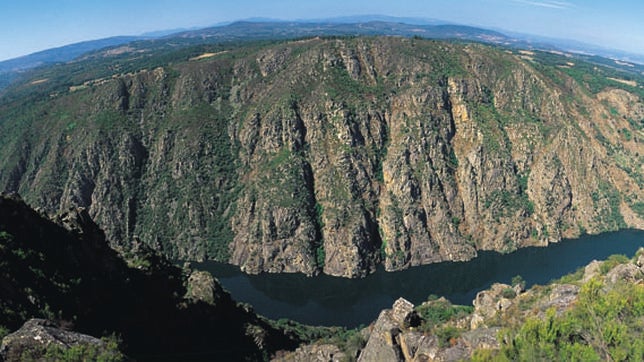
[{"x": 327, "y": 300}]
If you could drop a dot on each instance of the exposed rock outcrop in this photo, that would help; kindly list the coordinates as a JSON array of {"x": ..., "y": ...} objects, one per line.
[
  {"x": 491, "y": 302},
  {"x": 334, "y": 155},
  {"x": 391, "y": 339},
  {"x": 38, "y": 336},
  {"x": 62, "y": 269},
  {"x": 561, "y": 298},
  {"x": 202, "y": 286},
  {"x": 625, "y": 272},
  {"x": 384, "y": 340}
]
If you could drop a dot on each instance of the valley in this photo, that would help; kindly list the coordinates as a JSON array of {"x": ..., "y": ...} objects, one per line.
[
  {"x": 61, "y": 287},
  {"x": 334, "y": 301},
  {"x": 293, "y": 191}
]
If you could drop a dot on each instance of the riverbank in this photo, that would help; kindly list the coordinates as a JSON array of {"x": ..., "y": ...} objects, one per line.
[{"x": 327, "y": 300}]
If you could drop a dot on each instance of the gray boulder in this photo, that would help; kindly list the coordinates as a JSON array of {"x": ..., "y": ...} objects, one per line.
[
  {"x": 624, "y": 272},
  {"x": 383, "y": 343}
]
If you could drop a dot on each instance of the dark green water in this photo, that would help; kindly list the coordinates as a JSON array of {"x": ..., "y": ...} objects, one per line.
[{"x": 326, "y": 300}]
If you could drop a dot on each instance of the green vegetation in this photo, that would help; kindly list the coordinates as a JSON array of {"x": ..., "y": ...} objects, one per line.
[
  {"x": 452, "y": 160},
  {"x": 508, "y": 293},
  {"x": 638, "y": 207},
  {"x": 504, "y": 203},
  {"x": 86, "y": 352},
  {"x": 5, "y": 237},
  {"x": 572, "y": 278},
  {"x": 436, "y": 312},
  {"x": 456, "y": 221},
  {"x": 593, "y": 73},
  {"x": 166, "y": 154},
  {"x": 320, "y": 253},
  {"x": 602, "y": 325},
  {"x": 518, "y": 280},
  {"x": 383, "y": 248},
  {"x": 607, "y": 201},
  {"x": 491, "y": 122},
  {"x": 4, "y": 331},
  {"x": 447, "y": 335},
  {"x": 438, "y": 317},
  {"x": 612, "y": 262},
  {"x": 75, "y": 278},
  {"x": 108, "y": 351},
  {"x": 319, "y": 211},
  {"x": 628, "y": 135},
  {"x": 350, "y": 341},
  {"x": 320, "y": 256}
]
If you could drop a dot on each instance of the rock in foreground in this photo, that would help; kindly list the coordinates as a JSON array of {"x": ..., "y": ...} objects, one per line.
[
  {"x": 39, "y": 339},
  {"x": 594, "y": 314}
]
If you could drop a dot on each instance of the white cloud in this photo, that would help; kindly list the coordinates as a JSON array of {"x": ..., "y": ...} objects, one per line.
[{"x": 546, "y": 3}]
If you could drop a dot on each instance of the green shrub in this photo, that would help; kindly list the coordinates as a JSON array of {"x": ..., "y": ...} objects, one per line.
[
  {"x": 4, "y": 331},
  {"x": 487, "y": 355},
  {"x": 508, "y": 293},
  {"x": 320, "y": 255},
  {"x": 572, "y": 277},
  {"x": 437, "y": 312},
  {"x": 638, "y": 207},
  {"x": 447, "y": 335},
  {"x": 518, "y": 280},
  {"x": 602, "y": 325},
  {"x": 611, "y": 262},
  {"x": 108, "y": 352}
]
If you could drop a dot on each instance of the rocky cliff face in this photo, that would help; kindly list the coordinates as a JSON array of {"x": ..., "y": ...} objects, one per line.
[
  {"x": 61, "y": 268},
  {"x": 335, "y": 155}
]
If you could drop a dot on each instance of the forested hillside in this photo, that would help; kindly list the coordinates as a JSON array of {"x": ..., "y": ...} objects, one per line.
[{"x": 331, "y": 155}]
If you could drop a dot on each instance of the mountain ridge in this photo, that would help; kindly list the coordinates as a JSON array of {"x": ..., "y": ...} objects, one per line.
[
  {"x": 10, "y": 69},
  {"x": 61, "y": 268},
  {"x": 239, "y": 155}
]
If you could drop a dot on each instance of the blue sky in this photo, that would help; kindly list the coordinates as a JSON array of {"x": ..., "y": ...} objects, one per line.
[{"x": 27, "y": 26}]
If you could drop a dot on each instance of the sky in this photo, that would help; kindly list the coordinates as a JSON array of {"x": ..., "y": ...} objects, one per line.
[{"x": 27, "y": 26}]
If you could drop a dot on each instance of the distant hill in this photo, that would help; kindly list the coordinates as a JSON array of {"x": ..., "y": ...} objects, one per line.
[
  {"x": 272, "y": 29},
  {"x": 62, "y": 54},
  {"x": 376, "y": 17},
  {"x": 292, "y": 29},
  {"x": 11, "y": 69},
  {"x": 255, "y": 29}
]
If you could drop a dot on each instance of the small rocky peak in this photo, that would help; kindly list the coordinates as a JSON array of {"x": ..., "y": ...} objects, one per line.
[
  {"x": 203, "y": 287},
  {"x": 38, "y": 338},
  {"x": 560, "y": 298},
  {"x": 384, "y": 342},
  {"x": 404, "y": 314},
  {"x": 488, "y": 303},
  {"x": 591, "y": 270},
  {"x": 639, "y": 258},
  {"x": 628, "y": 272},
  {"x": 78, "y": 221}
]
